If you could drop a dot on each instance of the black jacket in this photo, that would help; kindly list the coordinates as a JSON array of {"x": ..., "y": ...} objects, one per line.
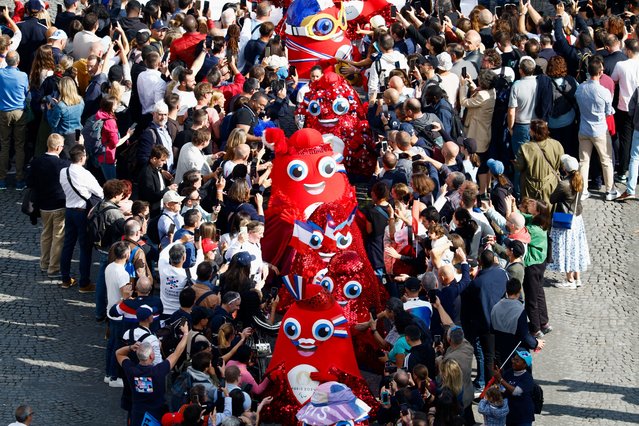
[
  {"x": 44, "y": 180},
  {"x": 34, "y": 35},
  {"x": 149, "y": 188}
]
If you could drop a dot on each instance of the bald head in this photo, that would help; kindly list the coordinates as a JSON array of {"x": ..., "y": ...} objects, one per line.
[
  {"x": 242, "y": 151},
  {"x": 472, "y": 40},
  {"x": 96, "y": 49},
  {"x": 396, "y": 82},
  {"x": 391, "y": 96},
  {"x": 450, "y": 150},
  {"x": 517, "y": 220},
  {"x": 446, "y": 274},
  {"x": 144, "y": 286},
  {"x": 403, "y": 141},
  {"x": 190, "y": 24}
]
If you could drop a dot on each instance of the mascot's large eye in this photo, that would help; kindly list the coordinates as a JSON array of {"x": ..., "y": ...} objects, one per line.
[
  {"x": 316, "y": 240},
  {"x": 297, "y": 170},
  {"x": 292, "y": 328},
  {"x": 327, "y": 166},
  {"x": 323, "y": 26},
  {"x": 352, "y": 289},
  {"x": 340, "y": 106},
  {"x": 314, "y": 108},
  {"x": 323, "y": 330},
  {"x": 343, "y": 241},
  {"x": 327, "y": 283}
]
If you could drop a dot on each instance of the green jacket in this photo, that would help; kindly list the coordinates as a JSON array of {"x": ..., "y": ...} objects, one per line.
[
  {"x": 537, "y": 250},
  {"x": 538, "y": 163}
]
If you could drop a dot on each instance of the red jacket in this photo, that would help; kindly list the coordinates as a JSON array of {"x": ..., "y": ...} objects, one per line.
[
  {"x": 232, "y": 89},
  {"x": 184, "y": 48},
  {"x": 110, "y": 136}
]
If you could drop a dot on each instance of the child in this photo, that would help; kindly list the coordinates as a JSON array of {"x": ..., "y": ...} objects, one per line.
[{"x": 494, "y": 407}]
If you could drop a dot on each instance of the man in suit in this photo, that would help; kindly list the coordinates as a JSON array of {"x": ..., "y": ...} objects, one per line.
[
  {"x": 154, "y": 181},
  {"x": 49, "y": 197}
]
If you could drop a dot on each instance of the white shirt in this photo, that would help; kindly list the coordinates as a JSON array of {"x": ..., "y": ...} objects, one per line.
[
  {"x": 152, "y": 339},
  {"x": 626, "y": 75},
  {"x": 82, "y": 43},
  {"x": 191, "y": 158},
  {"x": 115, "y": 277},
  {"x": 251, "y": 248},
  {"x": 385, "y": 64},
  {"x": 173, "y": 280},
  {"x": 15, "y": 42},
  {"x": 450, "y": 84},
  {"x": 151, "y": 89},
  {"x": 187, "y": 100},
  {"x": 83, "y": 181}
]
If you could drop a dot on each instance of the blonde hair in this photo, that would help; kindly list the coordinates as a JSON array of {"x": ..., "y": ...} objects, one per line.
[
  {"x": 226, "y": 331},
  {"x": 208, "y": 230},
  {"x": 236, "y": 138},
  {"x": 451, "y": 376},
  {"x": 116, "y": 90},
  {"x": 216, "y": 97},
  {"x": 55, "y": 140},
  {"x": 69, "y": 91}
]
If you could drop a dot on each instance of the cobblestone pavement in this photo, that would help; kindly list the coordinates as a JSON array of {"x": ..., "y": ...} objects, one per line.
[{"x": 52, "y": 351}]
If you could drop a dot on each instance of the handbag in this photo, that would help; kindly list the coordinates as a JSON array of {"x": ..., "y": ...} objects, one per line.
[
  {"x": 564, "y": 220},
  {"x": 93, "y": 199}
]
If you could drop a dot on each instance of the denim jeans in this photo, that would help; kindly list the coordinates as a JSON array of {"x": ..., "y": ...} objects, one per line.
[
  {"x": 100, "y": 287},
  {"x": 480, "y": 380},
  {"x": 116, "y": 330},
  {"x": 633, "y": 167},
  {"x": 75, "y": 229},
  {"x": 521, "y": 135},
  {"x": 108, "y": 170}
]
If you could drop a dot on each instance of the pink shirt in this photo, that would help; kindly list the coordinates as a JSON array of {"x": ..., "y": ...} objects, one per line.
[{"x": 247, "y": 378}]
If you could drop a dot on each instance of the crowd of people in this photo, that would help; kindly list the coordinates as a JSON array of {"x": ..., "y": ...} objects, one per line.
[{"x": 133, "y": 125}]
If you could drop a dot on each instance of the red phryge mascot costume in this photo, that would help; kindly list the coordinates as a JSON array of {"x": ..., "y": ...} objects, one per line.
[
  {"x": 334, "y": 109},
  {"x": 313, "y": 346}
]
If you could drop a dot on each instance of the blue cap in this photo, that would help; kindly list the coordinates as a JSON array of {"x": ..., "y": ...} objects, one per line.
[
  {"x": 496, "y": 167},
  {"x": 525, "y": 355},
  {"x": 244, "y": 258},
  {"x": 159, "y": 25},
  {"x": 408, "y": 128},
  {"x": 143, "y": 312}
]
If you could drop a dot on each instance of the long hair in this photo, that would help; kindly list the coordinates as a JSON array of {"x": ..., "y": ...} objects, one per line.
[
  {"x": 451, "y": 376},
  {"x": 225, "y": 335},
  {"x": 237, "y": 277},
  {"x": 576, "y": 181},
  {"x": 42, "y": 63},
  {"x": 236, "y": 137},
  {"x": 69, "y": 92},
  {"x": 542, "y": 218}
]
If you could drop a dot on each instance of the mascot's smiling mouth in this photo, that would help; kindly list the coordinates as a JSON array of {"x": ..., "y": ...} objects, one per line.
[
  {"x": 315, "y": 188},
  {"x": 326, "y": 257},
  {"x": 307, "y": 348},
  {"x": 329, "y": 123}
]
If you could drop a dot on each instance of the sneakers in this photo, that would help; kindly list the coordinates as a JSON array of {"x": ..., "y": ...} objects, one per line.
[
  {"x": 107, "y": 379},
  {"x": 625, "y": 196},
  {"x": 621, "y": 178},
  {"x": 117, "y": 383},
  {"x": 570, "y": 285},
  {"x": 547, "y": 328},
  {"x": 20, "y": 185},
  {"x": 538, "y": 335},
  {"x": 612, "y": 195},
  {"x": 70, "y": 283},
  {"x": 3, "y": 184},
  {"x": 578, "y": 283},
  {"x": 89, "y": 288},
  {"x": 585, "y": 195}
]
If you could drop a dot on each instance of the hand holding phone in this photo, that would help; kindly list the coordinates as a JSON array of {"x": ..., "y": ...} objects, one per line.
[
  {"x": 172, "y": 229},
  {"x": 464, "y": 73}
]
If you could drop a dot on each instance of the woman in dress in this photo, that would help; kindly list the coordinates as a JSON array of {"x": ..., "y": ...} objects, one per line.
[{"x": 569, "y": 246}]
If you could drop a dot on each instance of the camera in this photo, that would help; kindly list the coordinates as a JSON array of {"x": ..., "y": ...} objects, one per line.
[{"x": 263, "y": 349}]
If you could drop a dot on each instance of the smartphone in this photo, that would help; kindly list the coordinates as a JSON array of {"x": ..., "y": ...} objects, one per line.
[
  {"x": 205, "y": 9},
  {"x": 77, "y": 134},
  {"x": 133, "y": 126},
  {"x": 243, "y": 230},
  {"x": 197, "y": 236},
  {"x": 393, "y": 11},
  {"x": 267, "y": 51},
  {"x": 417, "y": 5},
  {"x": 432, "y": 295},
  {"x": 498, "y": 10},
  {"x": 404, "y": 409},
  {"x": 165, "y": 57},
  {"x": 3, "y": 8},
  {"x": 373, "y": 311},
  {"x": 384, "y": 109},
  {"x": 172, "y": 229},
  {"x": 384, "y": 146},
  {"x": 437, "y": 340},
  {"x": 274, "y": 291},
  {"x": 464, "y": 73},
  {"x": 242, "y": 4},
  {"x": 182, "y": 322},
  {"x": 385, "y": 397},
  {"x": 292, "y": 70},
  {"x": 222, "y": 382},
  {"x": 59, "y": 8},
  {"x": 220, "y": 362}
]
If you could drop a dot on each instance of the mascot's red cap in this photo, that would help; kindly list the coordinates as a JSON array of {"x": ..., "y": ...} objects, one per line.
[
  {"x": 316, "y": 298},
  {"x": 303, "y": 142}
]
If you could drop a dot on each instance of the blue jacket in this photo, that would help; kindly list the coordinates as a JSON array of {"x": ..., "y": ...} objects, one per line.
[
  {"x": 483, "y": 293},
  {"x": 450, "y": 300},
  {"x": 14, "y": 86},
  {"x": 65, "y": 119}
]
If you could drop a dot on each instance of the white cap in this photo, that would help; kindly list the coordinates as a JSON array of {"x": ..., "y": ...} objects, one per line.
[
  {"x": 172, "y": 197},
  {"x": 445, "y": 61},
  {"x": 58, "y": 35},
  {"x": 378, "y": 22}
]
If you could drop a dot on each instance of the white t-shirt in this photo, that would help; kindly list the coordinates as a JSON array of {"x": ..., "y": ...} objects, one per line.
[
  {"x": 450, "y": 84},
  {"x": 115, "y": 277}
]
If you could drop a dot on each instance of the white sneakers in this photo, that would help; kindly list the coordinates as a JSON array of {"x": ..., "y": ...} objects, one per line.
[
  {"x": 117, "y": 383},
  {"x": 612, "y": 195},
  {"x": 570, "y": 285}
]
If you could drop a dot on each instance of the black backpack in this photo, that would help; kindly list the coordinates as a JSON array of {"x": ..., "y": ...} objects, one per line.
[
  {"x": 538, "y": 398},
  {"x": 169, "y": 336},
  {"x": 152, "y": 230},
  {"x": 131, "y": 340},
  {"x": 457, "y": 127},
  {"x": 582, "y": 67},
  {"x": 97, "y": 227}
]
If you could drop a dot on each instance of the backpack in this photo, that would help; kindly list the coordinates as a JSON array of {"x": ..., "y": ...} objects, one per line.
[
  {"x": 562, "y": 100},
  {"x": 169, "y": 336},
  {"x": 152, "y": 230},
  {"x": 131, "y": 340},
  {"x": 178, "y": 394},
  {"x": 129, "y": 266},
  {"x": 225, "y": 128},
  {"x": 457, "y": 127},
  {"x": 502, "y": 88},
  {"x": 582, "y": 67},
  {"x": 538, "y": 398},
  {"x": 97, "y": 227},
  {"x": 92, "y": 134}
]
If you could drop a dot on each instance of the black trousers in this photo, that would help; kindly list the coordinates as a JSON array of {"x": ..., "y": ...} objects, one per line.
[
  {"x": 535, "y": 296},
  {"x": 623, "y": 124}
]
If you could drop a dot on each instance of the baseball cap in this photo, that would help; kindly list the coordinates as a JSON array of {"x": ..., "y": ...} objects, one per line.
[
  {"x": 378, "y": 23},
  {"x": 428, "y": 59},
  {"x": 469, "y": 143},
  {"x": 34, "y": 5},
  {"x": 143, "y": 312},
  {"x": 496, "y": 167},
  {"x": 142, "y": 36},
  {"x": 570, "y": 164},
  {"x": 159, "y": 25},
  {"x": 70, "y": 2},
  {"x": 198, "y": 313},
  {"x": 408, "y": 128},
  {"x": 517, "y": 247},
  {"x": 444, "y": 61},
  {"x": 525, "y": 355},
  {"x": 58, "y": 35},
  {"x": 527, "y": 58},
  {"x": 244, "y": 258},
  {"x": 171, "y": 197}
]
